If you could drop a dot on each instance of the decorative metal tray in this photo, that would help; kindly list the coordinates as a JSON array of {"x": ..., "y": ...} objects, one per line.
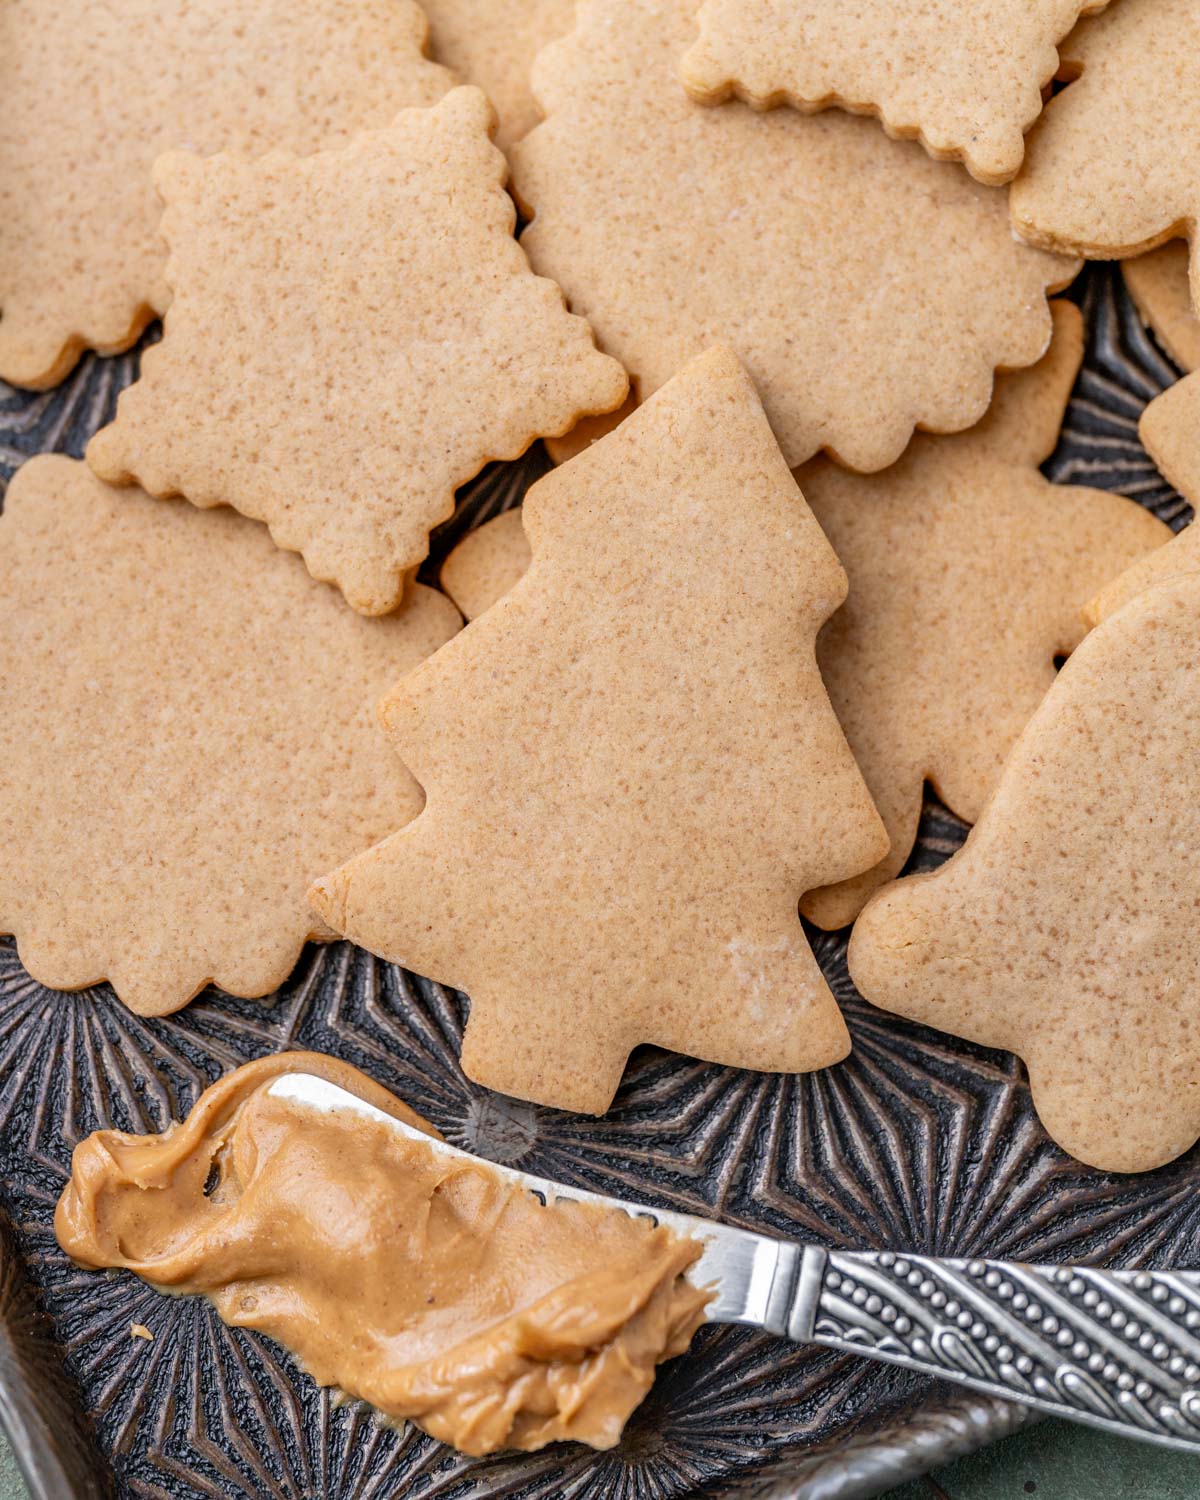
[{"x": 917, "y": 1142}]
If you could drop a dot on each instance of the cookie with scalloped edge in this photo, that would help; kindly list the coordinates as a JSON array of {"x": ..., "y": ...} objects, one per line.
[
  {"x": 487, "y": 563},
  {"x": 1159, "y": 285},
  {"x": 187, "y": 738},
  {"x": 632, "y": 770},
  {"x": 1112, "y": 168},
  {"x": 1064, "y": 930},
  {"x": 494, "y": 45},
  {"x": 868, "y": 289},
  {"x": 352, "y": 335},
  {"x": 94, "y": 93},
  {"x": 966, "y": 80},
  {"x": 968, "y": 574}
]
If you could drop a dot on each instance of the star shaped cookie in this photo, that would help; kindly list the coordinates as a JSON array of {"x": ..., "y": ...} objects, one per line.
[
  {"x": 632, "y": 770},
  {"x": 187, "y": 738},
  {"x": 94, "y": 93},
  {"x": 1159, "y": 285},
  {"x": 352, "y": 335}
]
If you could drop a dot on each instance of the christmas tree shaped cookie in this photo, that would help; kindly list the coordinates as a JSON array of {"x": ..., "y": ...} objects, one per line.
[
  {"x": 968, "y": 575},
  {"x": 632, "y": 770},
  {"x": 93, "y": 94},
  {"x": 966, "y": 79},
  {"x": 493, "y": 43},
  {"x": 352, "y": 335},
  {"x": 1064, "y": 930},
  {"x": 1113, "y": 166},
  {"x": 867, "y": 289},
  {"x": 1158, "y": 283},
  {"x": 187, "y": 738}
]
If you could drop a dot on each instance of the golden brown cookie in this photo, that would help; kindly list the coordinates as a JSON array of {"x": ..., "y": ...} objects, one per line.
[
  {"x": 966, "y": 80},
  {"x": 632, "y": 771},
  {"x": 487, "y": 563},
  {"x": 1170, "y": 433},
  {"x": 1180, "y": 555},
  {"x": 1064, "y": 929},
  {"x": 352, "y": 336},
  {"x": 93, "y": 93},
  {"x": 187, "y": 737},
  {"x": 1111, "y": 168},
  {"x": 1158, "y": 284},
  {"x": 866, "y": 288},
  {"x": 968, "y": 574},
  {"x": 587, "y": 432},
  {"x": 494, "y": 44}
]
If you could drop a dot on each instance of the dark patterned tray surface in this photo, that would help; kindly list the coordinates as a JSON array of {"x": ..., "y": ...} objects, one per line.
[{"x": 917, "y": 1141}]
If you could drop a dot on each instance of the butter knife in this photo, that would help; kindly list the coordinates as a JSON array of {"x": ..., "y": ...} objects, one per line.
[{"x": 1114, "y": 1349}]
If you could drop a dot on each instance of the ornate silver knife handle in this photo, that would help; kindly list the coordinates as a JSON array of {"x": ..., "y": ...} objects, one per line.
[{"x": 1116, "y": 1349}]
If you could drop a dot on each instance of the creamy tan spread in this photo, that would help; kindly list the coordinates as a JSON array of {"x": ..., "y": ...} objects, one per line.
[{"x": 430, "y": 1288}]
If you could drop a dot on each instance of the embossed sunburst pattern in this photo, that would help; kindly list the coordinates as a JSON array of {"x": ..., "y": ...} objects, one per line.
[{"x": 918, "y": 1143}]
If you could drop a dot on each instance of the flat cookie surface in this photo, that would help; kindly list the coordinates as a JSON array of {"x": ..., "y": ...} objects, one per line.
[
  {"x": 1158, "y": 283},
  {"x": 1063, "y": 930},
  {"x": 867, "y": 288},
  {"x": 966, "y": 79},
  {"x": 187, "y": 738},
  {"x": 353, "y": 335},
  {"x": 487, "y": 563},
  {"x": 493, "y": 43},
  {"x": 968, "y": 573},
  {"x": 93, "y": 93},
  {"x": 1113, "y": 166},
  {"x": 632, "y": 772}
]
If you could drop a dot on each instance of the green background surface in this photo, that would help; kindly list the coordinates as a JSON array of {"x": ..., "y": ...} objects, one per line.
[{"x": 1053, "y": 1460}]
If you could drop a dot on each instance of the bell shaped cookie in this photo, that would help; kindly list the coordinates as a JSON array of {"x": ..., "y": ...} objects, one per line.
[
  {"x": 93, "y": 94},
  {"x": 868, "y": 289},
  {"x": 1113, "y": 166},
  {"x": 1064, "y": 929},
  {"x": 632, "y": 770},
  {"x": 966, "y": 80},
  {"x": 187, "y": 739},
  {"x": 352, "y": 335},
  {"x": 968, "y": 573}
]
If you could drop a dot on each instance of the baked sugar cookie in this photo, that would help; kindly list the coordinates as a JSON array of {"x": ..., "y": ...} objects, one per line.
[
  {"x": 1170, "y": 433},
  {"x": 352, "y": 336},
  {"x": 494, "y": 45},
  {"x": 187, "y": 737},
  {"x": 968, "y": 573},
  {"x": 1158, "y": 284},
  {"x": 1064, "y": 928},
  {"x": 93, "y": 94},
  {"x": 966, "y": 80},
  {"x": 1113, "y": 166},
  {"x": 867, "y": 288},
  {"x": 632, "y": 770},
  {"x": 487, "y": 563},
  {"x": 1181, "y": 555}
]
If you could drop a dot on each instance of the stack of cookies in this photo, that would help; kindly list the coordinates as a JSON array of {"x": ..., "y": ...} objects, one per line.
[{"x": 782, "y": 314}]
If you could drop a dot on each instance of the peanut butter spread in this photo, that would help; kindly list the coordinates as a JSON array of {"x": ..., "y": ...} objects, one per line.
[{"x": 433, "y": 1289}]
